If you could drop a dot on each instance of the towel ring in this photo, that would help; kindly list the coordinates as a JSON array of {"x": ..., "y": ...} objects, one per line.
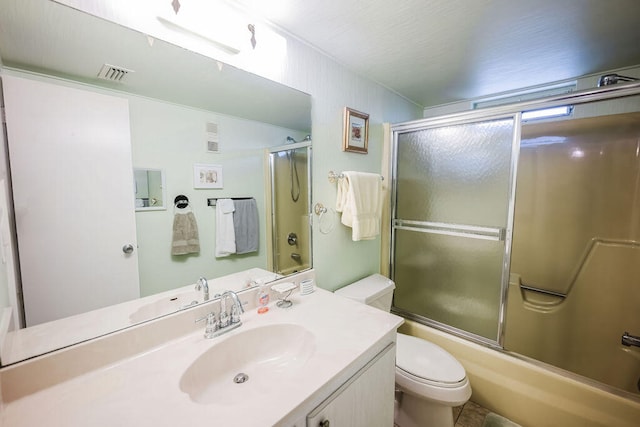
[
  {"x": 181, "y": 201},
  {"x": 326, "y": 218}
]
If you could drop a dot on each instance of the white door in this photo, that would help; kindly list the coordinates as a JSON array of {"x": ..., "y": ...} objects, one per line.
[{"x": 71, "y": 170}]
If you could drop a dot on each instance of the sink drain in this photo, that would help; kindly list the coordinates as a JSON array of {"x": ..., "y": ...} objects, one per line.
[{"x": 241, "y": 378}]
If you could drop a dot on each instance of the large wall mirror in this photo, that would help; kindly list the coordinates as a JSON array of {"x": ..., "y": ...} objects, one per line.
[{"x": 182, "y": 111}]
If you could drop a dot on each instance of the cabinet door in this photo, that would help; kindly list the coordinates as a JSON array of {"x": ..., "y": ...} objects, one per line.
[
  {"x": 366, "y": 400},
  {"x": 71, "y": 171}
]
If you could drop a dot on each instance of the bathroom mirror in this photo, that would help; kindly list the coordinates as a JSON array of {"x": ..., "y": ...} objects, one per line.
[
  {"x": 149, "y": 189},
  {"x": 176, "y": 99}
]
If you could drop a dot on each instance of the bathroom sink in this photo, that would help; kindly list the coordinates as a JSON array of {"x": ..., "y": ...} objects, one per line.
[
  {"x": 249, "y": 364},
  {"x": 165, "y": 305}
]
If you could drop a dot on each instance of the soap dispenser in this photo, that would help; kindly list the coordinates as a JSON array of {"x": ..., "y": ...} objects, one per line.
[{"x": 262, "y": 298}]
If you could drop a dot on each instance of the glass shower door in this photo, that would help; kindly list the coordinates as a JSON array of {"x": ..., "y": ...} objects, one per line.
[{"x": 452, "y": 202}]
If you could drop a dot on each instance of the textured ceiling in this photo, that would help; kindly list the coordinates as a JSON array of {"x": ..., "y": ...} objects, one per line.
[{"x": 440, "y": 51}]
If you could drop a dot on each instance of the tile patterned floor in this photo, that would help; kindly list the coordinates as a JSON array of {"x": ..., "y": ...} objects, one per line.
[{"x": 469, "y": 415}]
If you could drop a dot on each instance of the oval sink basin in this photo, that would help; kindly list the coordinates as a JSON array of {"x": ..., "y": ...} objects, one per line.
[{"x": 259, "y": 360}]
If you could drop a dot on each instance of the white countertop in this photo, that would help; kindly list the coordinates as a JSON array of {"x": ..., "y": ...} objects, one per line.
[
  {"x": 22, "y": 344},
  {"x": 144, "y": 390}
]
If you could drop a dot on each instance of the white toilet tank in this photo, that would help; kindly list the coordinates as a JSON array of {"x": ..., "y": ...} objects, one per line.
[{"x": 375, "y": 290}]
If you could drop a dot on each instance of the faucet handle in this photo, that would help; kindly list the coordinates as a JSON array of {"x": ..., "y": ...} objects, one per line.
[
  {"x": 224, "y": 319},
  {"x": 212, "y": 324},
  {"x": 235, "y": 313}
]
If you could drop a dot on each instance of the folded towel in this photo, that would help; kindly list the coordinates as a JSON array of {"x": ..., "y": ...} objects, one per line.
[
  {"x": 225, "y": 234},
  {"x": 246, "y": 225},
  {"x": 185, "y": 234},
  {"x": 360, "y": 201}
]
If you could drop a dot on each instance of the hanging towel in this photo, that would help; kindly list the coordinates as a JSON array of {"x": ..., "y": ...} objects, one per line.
[
  {"x": 225, "y": 234},
  {"x": 246, "y": 225},
  {"x": 185, "y": 234},
  {"x": 343, "y": 189},
  {"x": 360, "y": 201}
]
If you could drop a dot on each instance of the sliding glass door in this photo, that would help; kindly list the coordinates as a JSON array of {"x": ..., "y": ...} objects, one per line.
[{"x": 452, "y": 200}]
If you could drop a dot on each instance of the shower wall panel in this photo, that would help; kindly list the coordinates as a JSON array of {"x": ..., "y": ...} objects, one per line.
[
  {"x": 577, "y": 234},
  {"x": 577, "y": 182}
]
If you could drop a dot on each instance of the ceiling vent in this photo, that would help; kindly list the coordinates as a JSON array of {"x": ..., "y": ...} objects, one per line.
[{"x": 113, "y": 73}]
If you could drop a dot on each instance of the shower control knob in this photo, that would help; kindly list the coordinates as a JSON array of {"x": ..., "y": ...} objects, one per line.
[
  {"x": 127, "y": 249},
  {"x": 292, "y": 239},
  {"x": 325, "y": 423}
]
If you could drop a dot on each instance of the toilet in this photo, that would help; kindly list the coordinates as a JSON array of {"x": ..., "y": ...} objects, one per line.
[{"x": 429, "y": 380}]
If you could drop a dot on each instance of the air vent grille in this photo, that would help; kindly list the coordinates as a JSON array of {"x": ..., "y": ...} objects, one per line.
[
  {"x": 213, "y": 143},
  {"x": 113, "y": 73}
]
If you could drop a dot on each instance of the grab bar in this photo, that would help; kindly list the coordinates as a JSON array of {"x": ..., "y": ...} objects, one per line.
[
  {"x": 630, "y": 340},
  {"x": 542, "y": 291}
]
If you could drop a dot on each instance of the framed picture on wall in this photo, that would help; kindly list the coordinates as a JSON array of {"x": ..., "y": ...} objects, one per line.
[
  {"x": 356, "y": 131},
  {"x": 207, "y": 176}
]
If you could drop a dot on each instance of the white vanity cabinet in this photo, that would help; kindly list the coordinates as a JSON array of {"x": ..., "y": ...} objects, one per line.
[{"x": 365, "y": 400}]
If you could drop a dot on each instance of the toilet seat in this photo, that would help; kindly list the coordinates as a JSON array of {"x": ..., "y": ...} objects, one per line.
[
  {"x": 428, "y": 362},
  {"x": 427, "y": 370}
]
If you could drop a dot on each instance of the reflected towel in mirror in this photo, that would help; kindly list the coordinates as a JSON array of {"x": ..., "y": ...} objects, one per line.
[
  {"x": 225, "y": 233},
  {"x": 185, "y": 234},
  {"x": 246, "y": 225}
]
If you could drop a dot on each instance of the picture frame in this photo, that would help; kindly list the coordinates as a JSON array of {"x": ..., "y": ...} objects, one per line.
[
  {"x": 207, "y": 176},
  {"x": 356, "y": 131}
]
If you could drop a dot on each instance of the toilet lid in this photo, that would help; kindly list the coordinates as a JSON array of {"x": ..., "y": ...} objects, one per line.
[{"x": 426, "y": 360}]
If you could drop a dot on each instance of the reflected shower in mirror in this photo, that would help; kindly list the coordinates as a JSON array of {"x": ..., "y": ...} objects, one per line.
[
  {"x": 290, "y": 168},
  {"x": 170, "y": 117}
]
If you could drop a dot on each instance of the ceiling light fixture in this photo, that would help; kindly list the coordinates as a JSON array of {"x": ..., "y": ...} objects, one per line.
[
  {"x": 217, "y": 23},
  {"x": 547, "y": 113}
]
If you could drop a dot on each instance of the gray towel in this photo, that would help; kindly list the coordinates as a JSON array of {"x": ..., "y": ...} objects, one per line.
[
  {"x": 246, "y": 226},
  {"x": 185, "y": 234}
]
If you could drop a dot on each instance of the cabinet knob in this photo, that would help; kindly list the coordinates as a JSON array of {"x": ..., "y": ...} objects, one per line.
[{"x": 325, "y": 423}]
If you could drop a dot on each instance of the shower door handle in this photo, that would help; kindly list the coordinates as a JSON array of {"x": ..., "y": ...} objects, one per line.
[{"x": 630, "y": 340}]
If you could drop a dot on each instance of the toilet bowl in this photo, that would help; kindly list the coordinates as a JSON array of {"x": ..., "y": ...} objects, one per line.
[{"x": 429, "y": 380}]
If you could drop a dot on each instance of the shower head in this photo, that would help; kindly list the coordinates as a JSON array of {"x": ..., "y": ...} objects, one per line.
[{"x": 611, "y": 79}]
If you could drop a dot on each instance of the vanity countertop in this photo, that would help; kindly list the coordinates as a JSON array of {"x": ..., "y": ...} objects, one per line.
[
  {"x": 144, "y": 390},
  {"x": 22, "y": 344}
]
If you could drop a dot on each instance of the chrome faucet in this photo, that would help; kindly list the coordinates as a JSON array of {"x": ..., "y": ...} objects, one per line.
[
  {"x": 204, "y": 285},
  {"x": 226, "y": 321},
  {"x": 230, "y": 319}
]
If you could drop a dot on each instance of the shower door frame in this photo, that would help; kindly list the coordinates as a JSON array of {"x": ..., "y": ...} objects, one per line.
[
  {"x": 514, "y": 111},
  {"x": 272, "y": 257}
]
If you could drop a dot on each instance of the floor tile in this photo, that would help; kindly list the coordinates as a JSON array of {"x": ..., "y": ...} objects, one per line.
[{"x": 472, "y": 415}]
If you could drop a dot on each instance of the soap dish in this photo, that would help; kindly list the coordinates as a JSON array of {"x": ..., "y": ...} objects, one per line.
[{"x": 285, "y": 289}]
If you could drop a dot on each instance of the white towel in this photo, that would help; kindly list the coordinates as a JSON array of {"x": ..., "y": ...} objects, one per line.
[
  {"x": 225, "y": 234},
  {"x": 360, "y": 201}
]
